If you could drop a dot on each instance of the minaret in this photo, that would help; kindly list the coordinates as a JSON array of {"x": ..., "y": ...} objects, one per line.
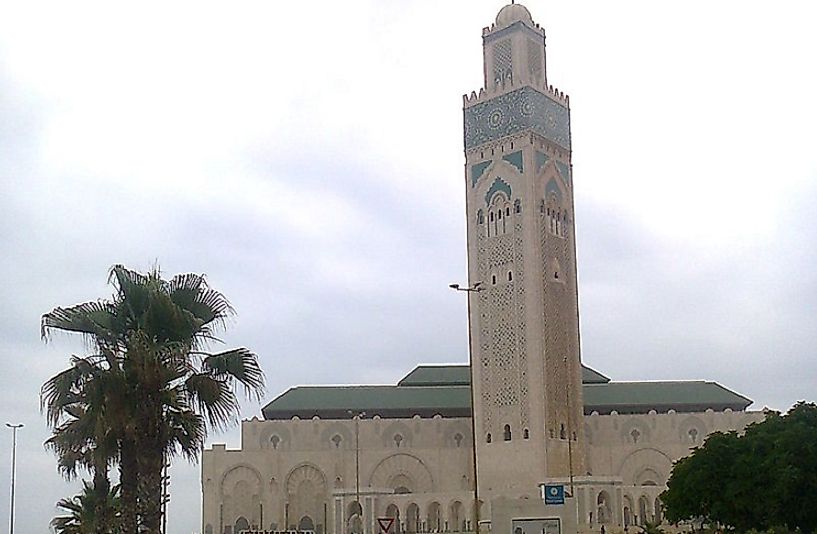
[{"x": 521, "y": 245}]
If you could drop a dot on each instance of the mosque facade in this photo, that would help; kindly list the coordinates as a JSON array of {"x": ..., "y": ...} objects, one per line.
[{"x": 451, "y": 448}]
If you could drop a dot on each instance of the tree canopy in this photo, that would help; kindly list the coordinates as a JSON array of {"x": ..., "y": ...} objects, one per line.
[{"x": 762, "y": 479}]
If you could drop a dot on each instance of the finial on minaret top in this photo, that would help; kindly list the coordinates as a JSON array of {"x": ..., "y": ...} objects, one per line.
[{"x": 511, "y": 13}]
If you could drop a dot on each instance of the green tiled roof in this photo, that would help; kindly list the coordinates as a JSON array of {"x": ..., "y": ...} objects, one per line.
[
  {"x": 335, "y": 402},
  {"x": 635, "y": 397},
  {"x": 460, "y": 375},
  {"x": 407, "y": 400}
]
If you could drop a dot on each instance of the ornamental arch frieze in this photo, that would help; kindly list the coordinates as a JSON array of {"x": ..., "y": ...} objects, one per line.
[
  {"x": 405, "y": 468},
  {"x": 241, "y": 493},
  {"x": 646, "y": 465},
  {"x": 241, "y": 473}
]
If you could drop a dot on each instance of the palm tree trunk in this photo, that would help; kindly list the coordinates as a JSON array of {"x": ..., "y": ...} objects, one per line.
[
  {"x": 128, "y": 480},
  {"x": 152, "y": 464},
  {"x": 102, "y": 487}
]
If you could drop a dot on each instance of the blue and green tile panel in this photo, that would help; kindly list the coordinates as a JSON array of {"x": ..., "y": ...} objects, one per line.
[
  {"x": 522, "y": 109},
  {"x": 541, "y": 159},
  {"x": 477, "y": 170},
  {"x": 515, "y": 159},
  {"x": 498, "y": 185}
]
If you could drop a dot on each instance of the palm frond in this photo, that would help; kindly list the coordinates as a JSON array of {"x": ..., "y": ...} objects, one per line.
[
  {"x": 214, "y": 398},
  {"x": 92, "y": 319},
  {"x": 186, "y": 433},
  {"x": 237, "y": 366}
]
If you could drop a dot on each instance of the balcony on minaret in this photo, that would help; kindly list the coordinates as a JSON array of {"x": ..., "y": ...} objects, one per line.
[{"x": 514, "y": 50}]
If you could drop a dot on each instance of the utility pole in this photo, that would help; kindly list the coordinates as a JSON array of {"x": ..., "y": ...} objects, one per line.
[
  {"x": 165, "y": 495},
  {"x": 475, "y": 288},
  {"x": 13, "y": 470}
]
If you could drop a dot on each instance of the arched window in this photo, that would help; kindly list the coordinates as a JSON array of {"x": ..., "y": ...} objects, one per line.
[
  {"x": 525, "y": 434},
  {"x": 274, "y": 441},
  {"x": 398, "y": 439},
  {"x": 480, "y": 217},
  {"x": 488, "y": 438},
  {"x": 506, "y": 435},
  {"x": 693, "y": 435},
  {"x": 510, "y": 276},
  {"x": 493, "y": 279},
  {"x": 562, "y": 433},
  {"x": 635, "y": 435},
  {"x": 517, "y": 206},
  {"x": 458, "y": 439}
]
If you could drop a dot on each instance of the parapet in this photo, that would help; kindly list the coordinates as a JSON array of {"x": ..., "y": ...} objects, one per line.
[{"x": 509, "y": 85}]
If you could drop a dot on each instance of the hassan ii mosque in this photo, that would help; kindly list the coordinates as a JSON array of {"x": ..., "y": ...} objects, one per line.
[{"x": 450, "y": 448}]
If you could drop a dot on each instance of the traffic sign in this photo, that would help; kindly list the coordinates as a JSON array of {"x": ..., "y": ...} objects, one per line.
[
  {"x": 385, "y": 524},
  {"x": 554, "y": 494}
]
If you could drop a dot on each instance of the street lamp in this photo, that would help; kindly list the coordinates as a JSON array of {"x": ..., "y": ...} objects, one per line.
[
  {"x": 356, "y": 417},
  {"x": 13, "y": 470},
  {"x": 476, "y": 287}
]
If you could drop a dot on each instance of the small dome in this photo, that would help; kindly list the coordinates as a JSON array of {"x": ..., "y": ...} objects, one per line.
[{"x": 513, "y": 13}]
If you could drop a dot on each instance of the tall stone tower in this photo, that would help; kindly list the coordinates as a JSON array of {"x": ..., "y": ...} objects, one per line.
[{"x": 521, "y": 246}]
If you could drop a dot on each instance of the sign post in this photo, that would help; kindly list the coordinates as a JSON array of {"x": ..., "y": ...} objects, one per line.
[{"x": 386, "y": 524}]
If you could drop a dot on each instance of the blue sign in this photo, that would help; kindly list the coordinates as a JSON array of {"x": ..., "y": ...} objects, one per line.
[{"x": 554, "y": 494}]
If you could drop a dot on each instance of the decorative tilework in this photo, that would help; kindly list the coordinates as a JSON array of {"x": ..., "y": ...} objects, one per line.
[
  {"x": 553, "y": 187},
  {"x": 525, "y": 108},
  {"x": 498, "y": 185},
  {"x": 541, "y": 159},
  {"x": 515, "y": 159},
  {"x": 564, "y": 170},
  {"x": 477, "y": 170}
]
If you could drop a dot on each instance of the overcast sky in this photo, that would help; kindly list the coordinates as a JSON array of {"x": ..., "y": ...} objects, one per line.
[{"x": 308, "y": 158}]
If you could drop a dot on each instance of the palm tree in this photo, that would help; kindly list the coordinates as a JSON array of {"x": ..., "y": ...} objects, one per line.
[
  {"x": 83, "y": 512},
  {"x": 80, "y": 405},
  {"x": 153, "y": 337}
]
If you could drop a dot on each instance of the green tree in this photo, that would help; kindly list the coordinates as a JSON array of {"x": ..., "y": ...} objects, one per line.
[
  {"x": 152, "y": 336},
  {"x": 764, "y": 479},
  {"x": 83, "y": 511}
]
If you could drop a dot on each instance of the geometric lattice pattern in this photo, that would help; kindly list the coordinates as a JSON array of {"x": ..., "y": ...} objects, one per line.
[
  {"x": 535, "y": 61},
  {"x": 502, "y": 326},
  {"x": 561, "y": 334},
  {"x": 503, "y": 60}
]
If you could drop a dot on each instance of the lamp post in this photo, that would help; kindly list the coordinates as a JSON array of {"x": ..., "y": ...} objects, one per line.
[
  {"x": 13, "y": 470},
  {"x": 356, "y": 417},
  {"x": 475, "y": 288}
]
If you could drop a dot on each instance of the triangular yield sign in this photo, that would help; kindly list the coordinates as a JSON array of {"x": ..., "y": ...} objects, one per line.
[{"x": 385, "y": 524}]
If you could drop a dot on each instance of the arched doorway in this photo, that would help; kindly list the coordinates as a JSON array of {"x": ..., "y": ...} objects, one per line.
[
  {"x": 628, "y": 511},
  {"x": 306, "y": 524},
  {"x": 455, "y": 518},
  {"x": 603, "y": 508},
  {"x": 413, "y": 518},
  {"x": 394, "y": 512},
  {"x": 241, "y": 524},
  {"x": 643, "y": 510},
  {"x": 434, "y": 518},
  {"x": 354, "y": 518}
]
